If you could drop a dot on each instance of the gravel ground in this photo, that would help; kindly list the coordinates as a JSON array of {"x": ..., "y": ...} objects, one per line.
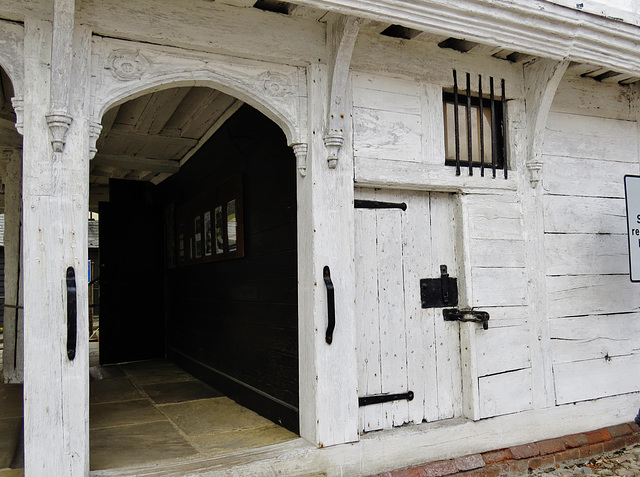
[{"x": 623, "y": 462}]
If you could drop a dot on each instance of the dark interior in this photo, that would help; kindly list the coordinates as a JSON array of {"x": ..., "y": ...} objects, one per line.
[{"x": 228, "y": 315}]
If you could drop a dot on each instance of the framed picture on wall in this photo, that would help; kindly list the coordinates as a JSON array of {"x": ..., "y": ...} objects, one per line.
[
  {"x": 208, "y": 243},
  {"x": 197, "y": 234},
  {"x": 232, "y": 226},
  {"x": 181, "y": 242},
  {"x": 219, "y": 230}
]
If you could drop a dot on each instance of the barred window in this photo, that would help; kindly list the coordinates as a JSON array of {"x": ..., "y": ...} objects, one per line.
[{"x": 474, "y": 127}]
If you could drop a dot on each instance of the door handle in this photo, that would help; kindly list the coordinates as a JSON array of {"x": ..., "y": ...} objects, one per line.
[
  {"x": 331, "y": 305},
  {"x": 72, "y": 313},
  {"x": 474, "y": 316}
]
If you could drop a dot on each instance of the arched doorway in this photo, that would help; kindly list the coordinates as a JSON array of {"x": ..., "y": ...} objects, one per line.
[{"x": 214, "y": 235}]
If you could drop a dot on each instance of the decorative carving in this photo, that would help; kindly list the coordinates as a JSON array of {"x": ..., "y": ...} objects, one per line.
[
  {"x": 300, "y": 150},
  {"x": 59, "y": 122},
  {"x": 333, "y": 143},
  {"x": 18, "y": 108},
  {"x": 542, "y": 78},
  {"x": 94, "y": 134},
  {"x": 127, "y": 65},
  {"x": 343, "y": 34},
  {"x": 276, "y": 84},
  {"x": 535, "y": 169}
]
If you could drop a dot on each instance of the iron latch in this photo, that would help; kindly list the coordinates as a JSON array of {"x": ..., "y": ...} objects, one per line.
[
  {"x": 474, "y": 316},
  {"x": 439, "y": 292}
]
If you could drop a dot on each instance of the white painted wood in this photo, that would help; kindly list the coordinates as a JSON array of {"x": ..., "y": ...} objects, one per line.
[
  {"x": 55, "y": 201},
  {"x": 584, "y": 215},
  {"x": 510, "y": 316},
  {"x": 13, "y": 334},
  {"x": 401, "y": 139},
  {"x": 277, "y": 90},
  {"x": 421, "y": 176},
  {"x": 367, "y": 319},
  {"x": 375, "y": 91},
  {"x": 499, "y": 286},
  {"x": 443, "y": 245},
  {"x": 592, "y": 337},
  {"x": 497, "y": 253},
  {"x": 573, "y": 176},
  {"x": 591, "y": 294},
  {"x": 417, "y": 350},
  {"x": 541, "y": 77},
  {"x": 188, "y": 25},
  {"x": 587, "y": 97},
  {"x": 391, "y": 313},
  {"x": 573, "y": 254},
  {"x": 582, "y": 137},
  {"x": 494, "y": 217},
  {"x": 596, "y": 378},
  {"x": 502, "y": 349},
  {"x": 505, "y": 393},
  {"x": 328, "y": 373}
]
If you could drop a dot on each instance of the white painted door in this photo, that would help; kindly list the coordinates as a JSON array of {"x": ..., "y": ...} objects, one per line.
[{"x": 402, "y": 347}]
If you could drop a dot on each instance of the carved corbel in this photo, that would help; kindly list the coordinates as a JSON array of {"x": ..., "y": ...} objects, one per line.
[
  {"x": 18, "y": 108},
  {"x": 59, "y": 118},
  {"x": 342, "y": 34},
  {"x": 94, "y": 134},
  {"x": 542, "y": 78},
  {"x": 300, "y": 149},
  {"x": 59, "y": 122}
]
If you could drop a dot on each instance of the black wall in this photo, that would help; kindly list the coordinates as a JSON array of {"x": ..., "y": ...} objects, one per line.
[{"x": 233, "y": 323}]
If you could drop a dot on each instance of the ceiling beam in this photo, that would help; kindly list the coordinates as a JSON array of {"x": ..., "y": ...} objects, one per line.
[{"x": 137, "y": 163}]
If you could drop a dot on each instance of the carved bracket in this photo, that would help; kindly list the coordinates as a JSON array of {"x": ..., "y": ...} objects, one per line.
[
  {"x": 333, "y": 143},
  {"x": 18, "y": 108},
  {"x": 94, "y": 134},
  {"x": 343, "y": 34},
  {"x": 300, "y": 150},
  {"x": 542, "y": 78},
  {"x": 59, "y": 122}
]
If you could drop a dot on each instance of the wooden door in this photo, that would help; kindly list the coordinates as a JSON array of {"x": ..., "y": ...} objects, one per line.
[{"x": 402, "y": 347}]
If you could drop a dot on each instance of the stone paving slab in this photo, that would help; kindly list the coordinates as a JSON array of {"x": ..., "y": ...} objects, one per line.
[{"x": 137, "y": 444}]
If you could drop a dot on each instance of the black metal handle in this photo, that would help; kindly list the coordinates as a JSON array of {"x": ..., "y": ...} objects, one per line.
[
  {"x": 72, "y": 313},
  {"x": 331, "y": 305},
  {"x": 453, "y": 314}
]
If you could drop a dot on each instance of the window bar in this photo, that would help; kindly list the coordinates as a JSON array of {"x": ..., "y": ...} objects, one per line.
[
  {"x": 494, "y": 139},
  {"x": 469, "y": 140},
  {"x": 481, "y": 119},
  {"x": 504, "y": 130},
  {"x": 456, "y": 121}
]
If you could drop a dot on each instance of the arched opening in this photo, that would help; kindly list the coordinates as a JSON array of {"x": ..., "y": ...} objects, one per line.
[
  {"x": 11, "y": 282},
  {"x": 195, "y": 194}
]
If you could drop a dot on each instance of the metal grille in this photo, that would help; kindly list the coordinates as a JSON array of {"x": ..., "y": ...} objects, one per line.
[{"x": 482, "y": 128}]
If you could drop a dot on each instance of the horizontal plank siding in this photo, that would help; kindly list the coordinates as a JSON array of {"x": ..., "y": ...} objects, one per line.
[{"x": 591, "y": 142}]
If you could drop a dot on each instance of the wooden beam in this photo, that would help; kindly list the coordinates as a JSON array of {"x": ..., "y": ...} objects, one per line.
[
  {"x": 217, "y": 125},
  {"x": 137, "y": 163}
]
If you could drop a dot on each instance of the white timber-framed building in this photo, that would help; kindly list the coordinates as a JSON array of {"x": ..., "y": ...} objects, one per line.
[{"x": 363, "y": 94}]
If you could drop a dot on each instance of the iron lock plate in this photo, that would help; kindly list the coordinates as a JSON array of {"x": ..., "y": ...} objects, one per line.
[{"x": 439, "y": 292}]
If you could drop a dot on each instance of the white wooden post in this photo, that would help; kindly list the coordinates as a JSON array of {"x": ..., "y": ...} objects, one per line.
[
  {"x": 55, "y": 210},
  {"x": 328, "y": 375},
  {"x": 13, "y": 283},
  {"x": 542, "y": 78}
]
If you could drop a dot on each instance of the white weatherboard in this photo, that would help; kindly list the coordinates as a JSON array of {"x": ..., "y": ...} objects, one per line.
[{"x": 632, "y": 197}]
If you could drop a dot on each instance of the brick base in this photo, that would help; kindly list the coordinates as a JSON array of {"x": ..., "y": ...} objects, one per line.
[{"x": 547, "y": 453}]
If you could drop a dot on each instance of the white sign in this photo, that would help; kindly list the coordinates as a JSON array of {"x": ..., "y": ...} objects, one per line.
[{"x": 632, "y": 196}]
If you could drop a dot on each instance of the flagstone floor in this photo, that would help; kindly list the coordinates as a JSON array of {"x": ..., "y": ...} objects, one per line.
[{"x": 146, "y": 412}]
